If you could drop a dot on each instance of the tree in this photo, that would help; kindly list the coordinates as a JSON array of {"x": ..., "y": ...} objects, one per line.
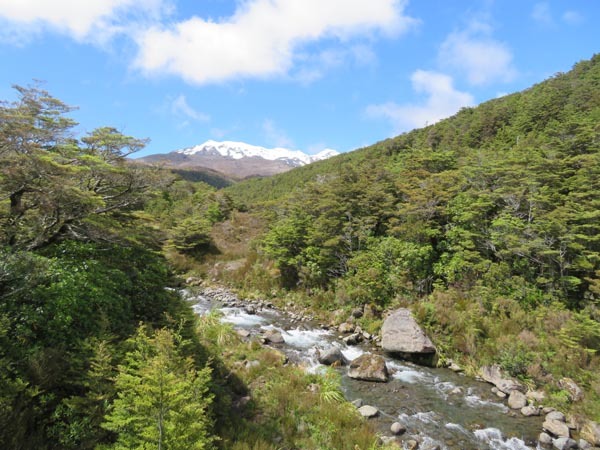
[
  {"x": 51, "y": 185},
  {"x": 162, "y": 399}
]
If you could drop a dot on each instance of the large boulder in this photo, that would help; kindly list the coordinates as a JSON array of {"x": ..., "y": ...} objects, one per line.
[
  {"x": 402, "y": 335},
  {"x": 368, "y": 367},
  {"x": 556, "y": 428},
  {"x": 493, "y": 374}
]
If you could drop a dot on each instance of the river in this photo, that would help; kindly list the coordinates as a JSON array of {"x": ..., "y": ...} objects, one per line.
[{"x": 439, "y": 408}]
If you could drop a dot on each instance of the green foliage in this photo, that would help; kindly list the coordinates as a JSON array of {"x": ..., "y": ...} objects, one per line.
[
  {"x": 52, "y": 186},
  {"x": 162, "y": 399},
  {"x": 485, "y": 223}
]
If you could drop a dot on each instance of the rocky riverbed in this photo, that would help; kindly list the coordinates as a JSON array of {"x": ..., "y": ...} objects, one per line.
[{"x": 415, "y": 406}]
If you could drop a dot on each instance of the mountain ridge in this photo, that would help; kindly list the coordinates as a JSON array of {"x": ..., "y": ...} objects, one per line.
[{"x": 237, "y": 160}]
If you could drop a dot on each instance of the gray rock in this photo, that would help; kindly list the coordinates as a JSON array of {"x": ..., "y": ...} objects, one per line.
[
  {"x": 529, "y": 411},
  {"x": 564, "y": 443},
  {"x": 273, "y": 337},
  {"x": 332, "y": 356},
  {"x": 556, "y": 415},
  {"x": 397, "y": 428},
  {"x": 346, "y": 328},
  {"x": 368, "y": 411},
  {"x": 517, "y": 400},
  {"x": 402, "y": 334},
  {"x": 242, "y": 333},
  {"x": 590, "y": 431},
  {"x": 545, "y": 438},
  {"x": 353, "y": 339},
  {"x": 584, "y": 445},
  {"x": 368, "y": 367},
  {"x": 493, "y": 374},
  {"x": 250, "y": 309},
  {"x": 556, "y": 428},
  {"x": 575, "y": 392},
  {"x": 454, "y": 367}
]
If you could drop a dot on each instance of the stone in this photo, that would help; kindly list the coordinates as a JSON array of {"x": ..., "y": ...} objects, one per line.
[
  {"x": 346, "y": 328},
  {"x": 353, "y": 339},
  {"x": 273, "y": 337},
  {"x": 397, "y": 428},
  {"x": 590, "y": 431},
  {"x": 574, "y": 391},
  {"x": 412, "y": 444},
  {"x": 402, "y": 334},
  {"x": 368, "y": 411},
  {"x": 456, "y": 391},
  {"x": 454, "y": 367},
  {"x": 529, "y": 411},
  {"x": 556, "y": 415},
  {"x": 556, "y": 428},
  {"x": 564, "y": 443},
  {"x": 250, "y": 309},
  {"x": 244, "y": 334},
  {"x": 517, "y": 400},
  {"x": 493, "y": 374},
  {"x": 357, "y": 313},
  {"x": 584, "y": 445},
  {"x": 545, "y": 439},
  {"x": 368, "y": 367},
  {"x": 332, "y": 355}
]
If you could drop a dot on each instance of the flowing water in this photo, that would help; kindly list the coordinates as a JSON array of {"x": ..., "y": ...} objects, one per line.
[{"x": 439, "y": 408}]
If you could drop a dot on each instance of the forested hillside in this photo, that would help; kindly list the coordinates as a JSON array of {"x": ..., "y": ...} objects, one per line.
[
  {"x": 98, "y": 350},
  {"x": 486, "y": 224}
]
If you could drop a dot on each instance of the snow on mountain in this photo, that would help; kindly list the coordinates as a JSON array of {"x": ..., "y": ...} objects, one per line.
[{"x": 239, "y": 150}]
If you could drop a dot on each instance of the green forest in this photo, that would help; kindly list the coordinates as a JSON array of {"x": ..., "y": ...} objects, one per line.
[{"x": 486, "y": 225}]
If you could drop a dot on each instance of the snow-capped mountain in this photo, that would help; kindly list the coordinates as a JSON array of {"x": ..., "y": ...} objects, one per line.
[
  {"x": 239, "y": 150},
  {"x": 236, "y": 160}
]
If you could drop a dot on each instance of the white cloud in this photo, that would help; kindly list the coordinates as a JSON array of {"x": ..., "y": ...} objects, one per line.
[
  {"x": 442, "y": 100},
  {"x": 94, "y": 20},
  {"x": 541, "y": 13},
  {"x": 276, "y": 136},
  {"x": 180, "y": 106},
  {"x": 263, "y": 38},
  {"x": 476, "y": 54},
  {"x": 572, "y": 17}
]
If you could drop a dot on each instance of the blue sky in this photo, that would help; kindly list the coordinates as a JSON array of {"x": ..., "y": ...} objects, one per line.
[{"x": 302, "y": 74}]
